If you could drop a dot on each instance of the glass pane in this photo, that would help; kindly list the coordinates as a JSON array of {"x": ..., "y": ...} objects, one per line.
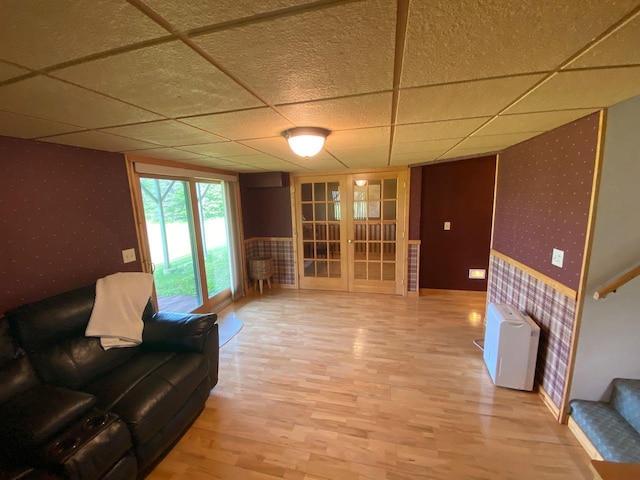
[
  {"x": 334, "y": 270},
  {"x": 374, "y": 271},
  {"x": 360, "y": 250},
  {"x": 334, "y": 250},
  {"x": 307, "y": 232},
  {"x": 307, "y": 212},
  {"x": 390, "y": 210},
  {"x": 319, "y": 192},
  {"x": 389, "y": 232},
  {"x": 374, "y": 190},
  {"x": 374, "y": 231},
  {"x": 334, "y": 201},
  {"x": 360, "y": 271},
  {"x": 374, "y": 251},
  {"x": 321, "y": 232},
  {"x": 309, "y": 268},
  {"x": 390, "y": 188},
  {"x": 389, "y": 252},
  {"x": 334, "y": 231},
  {"x": 359, "y": 210},
  {"x": 321, "y": 211},
  {"x": 321, "y": 250},
  {"x": 360, "y": 232},
  {"x": 309, "y": 251},
  {"x": 359, "y": 193},
  {"x": 214, "y": 236},
  {"x": 169, "y": 222},
  {"x": 305, "y": 189},
  {"x": 389, "y": 271},
  {"x": 323, "y": 269}
]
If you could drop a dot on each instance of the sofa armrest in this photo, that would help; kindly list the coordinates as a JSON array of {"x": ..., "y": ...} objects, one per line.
[
  {"x": 178, "y": 332},
  {"x": 31, "y": 418}
]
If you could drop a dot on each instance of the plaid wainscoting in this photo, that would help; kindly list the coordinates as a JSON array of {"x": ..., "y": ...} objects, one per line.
[
  {"x": 281, "y": 249},
  {"x": 414, "y": 260},
  {"x": 551, "y": 309}
]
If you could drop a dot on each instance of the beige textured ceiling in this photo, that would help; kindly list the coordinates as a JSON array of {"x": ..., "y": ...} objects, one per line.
[{"x": 215, "y": 82}]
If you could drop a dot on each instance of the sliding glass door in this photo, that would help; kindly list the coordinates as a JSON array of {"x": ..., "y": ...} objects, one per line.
[{"x": 187, "y": 234}]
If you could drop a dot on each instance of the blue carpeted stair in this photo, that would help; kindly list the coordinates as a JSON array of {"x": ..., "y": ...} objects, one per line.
[{"x": 613, "y": 427}]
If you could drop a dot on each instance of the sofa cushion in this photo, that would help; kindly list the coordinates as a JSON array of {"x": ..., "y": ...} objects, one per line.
[
  {"x": 29, "y": 419},
  {"x": 612, "y": 436},
  {"x": 16, "y": 377},
  {"x": 149, "y": 389}
]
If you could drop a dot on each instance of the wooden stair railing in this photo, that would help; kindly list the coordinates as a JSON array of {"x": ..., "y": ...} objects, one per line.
[{"x": 617, "y": 282}]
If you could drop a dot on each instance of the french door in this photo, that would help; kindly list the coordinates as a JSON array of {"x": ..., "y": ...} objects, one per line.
[
  {"x": 350, "y": 232},
  {"x": 186, "y": 232}
]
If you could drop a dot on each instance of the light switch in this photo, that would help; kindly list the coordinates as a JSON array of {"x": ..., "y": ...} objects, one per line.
[
  {"x": 557, "y": 258},
  {"x": 447, "y": 225},
  {"x": 129, "y": 255}
]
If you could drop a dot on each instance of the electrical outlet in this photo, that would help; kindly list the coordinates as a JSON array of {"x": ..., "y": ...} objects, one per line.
[
  {"x": 129, "y": 255},
  {"x": 447, "y": 225},
  {"x": 557, "y": 257}
]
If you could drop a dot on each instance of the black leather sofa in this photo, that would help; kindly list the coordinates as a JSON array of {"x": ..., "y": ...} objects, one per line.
[{"x": 69, "y": 409}]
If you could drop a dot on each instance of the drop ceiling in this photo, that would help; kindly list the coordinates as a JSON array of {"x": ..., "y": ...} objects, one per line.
[{"x": 215, "y": 82}]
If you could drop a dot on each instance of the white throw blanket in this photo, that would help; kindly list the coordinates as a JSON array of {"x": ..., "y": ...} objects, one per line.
[{"x": 117, "y": 313}]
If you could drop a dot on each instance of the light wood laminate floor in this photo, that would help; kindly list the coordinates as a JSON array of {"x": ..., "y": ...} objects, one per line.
[{"x": 322, "y": 385}]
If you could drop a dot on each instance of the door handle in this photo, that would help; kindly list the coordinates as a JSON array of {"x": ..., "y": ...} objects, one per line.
[{"x": 350, "y": 241}]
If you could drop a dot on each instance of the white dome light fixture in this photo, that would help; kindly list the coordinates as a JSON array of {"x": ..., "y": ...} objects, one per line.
[{"x": 306, "y": 141}]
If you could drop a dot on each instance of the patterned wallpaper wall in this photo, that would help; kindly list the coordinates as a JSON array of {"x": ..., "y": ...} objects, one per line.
[
  {"x": 412, "y": 266},
  {"x": 282, "y": 252},
  {"x": 66, "y": 217},
  {"x": 543, "y": 195},
  {"x": 550, "y": 309}
]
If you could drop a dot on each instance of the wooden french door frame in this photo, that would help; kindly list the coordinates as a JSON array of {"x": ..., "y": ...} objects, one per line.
[{"x": 305, "y": 235}]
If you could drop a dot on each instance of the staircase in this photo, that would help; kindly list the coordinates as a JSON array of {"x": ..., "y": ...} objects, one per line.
[{"x": 612, "y": 428}]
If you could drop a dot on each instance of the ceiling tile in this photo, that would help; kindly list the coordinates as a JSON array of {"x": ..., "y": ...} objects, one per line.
[
  {"x": 278, "y": 147},
  {"x": 363, "y": 137},
  {"x": 254, "y": 123},
  {"x": 51, "y": 99},
  {"x": 399, "y": 159},
  {"x": 424, "y": 146},
  {"x": 335, "y": 51},
  {"x": 224, "y": 149},
  {"x": 165, "y": 132},
  {"x": 496, "y": 141},
  {"x": 170, "y": 79},
  {"x": 98, "y": 141},
  {"x": 8, "y": 71},
  {"x": 61, "y": 31},
  {"x": 166, "y": 153},
  {"x": 316, "y": 164},
  {"x": 619, "y": 48},
  {"x": 375, "y": 156},
  {"x": 532, "y": 122},
  {"x": 461, "y": 100},
  {"x": 437, "y": 130},
  {"x": 212, "y": 162},
  {"x": 254, "y": 159},
  {"x": 463, "y": 40},
  {"x": 14, "y": 125},
  {"x": 342, "y": 113},
  {"x": 190, "y": 14},
  {"x": 582, "y": 89}
]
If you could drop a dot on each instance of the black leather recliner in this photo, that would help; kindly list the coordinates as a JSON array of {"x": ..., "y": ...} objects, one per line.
[{"x": 69, "y": 409}]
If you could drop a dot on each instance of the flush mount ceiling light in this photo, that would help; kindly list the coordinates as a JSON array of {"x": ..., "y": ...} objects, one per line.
[{"x": 306, "y": 141}]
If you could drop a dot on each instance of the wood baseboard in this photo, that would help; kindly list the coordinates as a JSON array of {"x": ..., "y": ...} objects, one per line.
[
  {"x": 546, "y": 398},
  {"x": 583, "y": 440}
]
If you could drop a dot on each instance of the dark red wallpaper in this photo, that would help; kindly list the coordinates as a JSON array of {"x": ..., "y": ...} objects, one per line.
[
  {"x": 266, "y": 212},
  {"x": 461, "y": 193},
  {"x": 543, "y": 195},
  {"x": 66, "y": 217}
]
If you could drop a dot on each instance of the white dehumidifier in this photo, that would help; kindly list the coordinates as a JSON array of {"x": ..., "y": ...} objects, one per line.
[{"x": 510, "y": 347}]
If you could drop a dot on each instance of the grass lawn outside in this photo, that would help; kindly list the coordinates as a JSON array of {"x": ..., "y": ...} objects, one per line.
[{"x": 179, "y": 279}]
